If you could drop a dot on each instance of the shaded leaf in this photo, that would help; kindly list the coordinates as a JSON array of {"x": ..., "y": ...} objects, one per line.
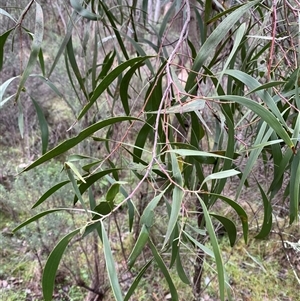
[
  {"x": 137, "y": 280},
  {"x": 229, "y": 227},
  {"x": 177, "y": 197},
  {"x": 148, "y": 214},
  {"x": 36, "y": 217},
  {"x": 165, "y": 271},
  {"x": 267, "y": 223},
  {"x": 3, "y": 87},
  {"x": 3, "y": 39},
  {"x": 214, "y": 39},
  {"x": 216, "y": 250},
  {"x": 108, "y": 80},
  {"x": 139, "y": 246},
  {"x": 52, "y": 263},
  {"x": 43, "y": 126},
  {"x": 68, "y": 144},
  {"x": 110, "y": 266},
  {"x": 49, "y": 192},
  {"x": 92, "y": 179},
  {"x": 264, "y": 114},
  {"x": 35, "y": 48},
  {"x": 76, "y": 4}
]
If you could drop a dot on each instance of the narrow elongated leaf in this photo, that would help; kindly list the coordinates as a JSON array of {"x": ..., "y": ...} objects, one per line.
[
  {"x": 255, "y": 86},
  {"x": 188, "y": 106},
  {"x": 262, "y": 136},
  {"x": 35, "y": 48},
  {"x": 92, "y": 179},
  {"x": 75, "y": 170},
  {"x": 43, "y": 126},
  {"x": 68, "y": 144},
  {"x": 36, "y": 217},
  {"x": 76, "y": 157},
  {"x": 125, "y": 84},
  {"x": 5, "y": 13},
  {"x": 108, "y": 80},
  {"x": 239, "y": 210},
  {"x": 164, "y": 270},
  {"x": 190, "y": 152},
  {"x": 139, "y": 246},
  {"x": 216, "y": 250},
  {"x": 65, "y": 41},
  {"x": 111, "y": 19},
  {"x": 137, "y": 280},
  {"x": 214, "y": 39},
  {"x": 264, "y": 114},
  {"x": 177, "y": 197},
  {"x": 52, "y": 263},
  {"x": 73, "y": 63},
  {"x": 110, "y": 266},
  {"x": 180, "y": 271},
  {"x": 48, "y": 193},
  {"x": 221, "y": 175},
  {"x": 295, "y": 188},
  {"x": 205, "y": 249},
  {"x": 229, "y": 227},
  {"x": 106, "y": 65},
  {"x": 148, "y": 214},
  {"x": 281, "y": 170},
  {"x": 76, "y": 4},
  {"x": 267, "y": 223},
  {"x": 237, "y": 41},
  {"x": 175, "y": 244},
  {"x": 3, "y": 88},
  {"x": 3, "y": 39},
  {"x": 75, "y": 187}
]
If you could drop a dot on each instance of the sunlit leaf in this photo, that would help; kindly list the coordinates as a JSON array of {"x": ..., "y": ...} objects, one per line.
[{"x": 75, "y": 170}]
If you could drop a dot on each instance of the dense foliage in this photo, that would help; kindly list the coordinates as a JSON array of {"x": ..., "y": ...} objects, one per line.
[{"x": 174, "y": 105}]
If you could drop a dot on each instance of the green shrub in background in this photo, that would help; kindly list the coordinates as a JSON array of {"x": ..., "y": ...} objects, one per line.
[{"x": 185, "y": 115}]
